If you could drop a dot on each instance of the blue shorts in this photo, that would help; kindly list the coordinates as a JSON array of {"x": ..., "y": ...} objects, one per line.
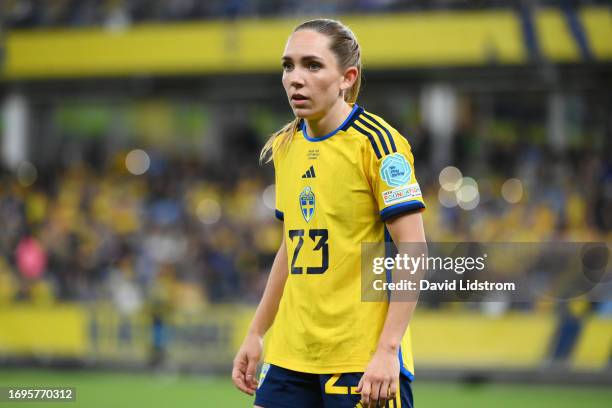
[{"x": 283, "y": 388}]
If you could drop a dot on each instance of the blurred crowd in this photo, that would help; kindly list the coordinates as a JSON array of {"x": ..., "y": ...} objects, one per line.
[
  {"x": 172, "y": 235},
  {"x": 185, "y": 234},
  {"x": 119, "y": 13},
  {"x": 564, "y": 196}
]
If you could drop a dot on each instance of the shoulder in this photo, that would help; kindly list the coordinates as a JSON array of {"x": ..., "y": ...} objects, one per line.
[
  {"x": 283, "y": 138},
  {"x": 382, "y": 138}
]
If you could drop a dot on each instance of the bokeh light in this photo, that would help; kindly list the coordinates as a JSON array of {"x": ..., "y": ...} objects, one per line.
[
  {"x": 26, "y": 174},
  {"x": 447, "y": 198},
  {"x": 456, "y": 190},
  {"x": 467, "y": 193},
  {"x": 450, "y": 178},
  {"x": 468, "y": 196},
  {"x": 470, "y": 205},
  {"x": 137, "y": 162},
  {"x": 512, "y": 190},
  {"x": 209, "y": 211},
  {"x": 468, "y": 181},
  {"x": 269, "y": 197}
]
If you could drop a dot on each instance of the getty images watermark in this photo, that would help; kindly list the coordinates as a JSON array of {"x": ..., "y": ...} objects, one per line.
[
  {"x": 476, "y": 271},
  {"x": 412, "y": 265}
]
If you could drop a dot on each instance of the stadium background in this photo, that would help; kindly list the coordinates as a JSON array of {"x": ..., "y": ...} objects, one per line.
[{"x": 137, "y": 228}]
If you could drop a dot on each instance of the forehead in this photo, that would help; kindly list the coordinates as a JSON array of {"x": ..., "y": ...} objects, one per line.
[{"x": 307, "y": 42}]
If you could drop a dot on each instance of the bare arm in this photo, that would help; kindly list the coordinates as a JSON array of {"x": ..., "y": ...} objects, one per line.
[
  {"x": 381, "y": 378},
  {"x": 407, "y": 228},
  {"x": 268, "y": 305},
  {"x": 245, "y": 362}
]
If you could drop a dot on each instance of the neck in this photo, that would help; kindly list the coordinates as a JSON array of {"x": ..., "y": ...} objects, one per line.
[{"x": 329, "y": 122}]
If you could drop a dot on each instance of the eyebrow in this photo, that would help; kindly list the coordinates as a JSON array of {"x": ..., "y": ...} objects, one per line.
[{"x": 304, "y": 58}]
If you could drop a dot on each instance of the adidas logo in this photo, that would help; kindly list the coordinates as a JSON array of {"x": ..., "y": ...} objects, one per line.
[{"x": 309, "y": 173}]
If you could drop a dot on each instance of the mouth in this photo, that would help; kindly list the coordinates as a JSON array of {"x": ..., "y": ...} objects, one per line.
[{"x": 298, "y": 97}]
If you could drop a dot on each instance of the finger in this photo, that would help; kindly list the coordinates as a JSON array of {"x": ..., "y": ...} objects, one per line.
[
  {"x": 238, "y": 379},
  {"x": 365, "y": 392},
  {"x": 383, "y": 393},
  {"x": 358, "y": 389},
  {"x": 375, "y": 393},
  {"x": 239, "y": 366},
  {"x": 393, "y": 388},
  {"x": 250, "y": 372}
]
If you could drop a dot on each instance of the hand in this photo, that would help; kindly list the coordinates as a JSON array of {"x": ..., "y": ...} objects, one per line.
[
  {"x": 245, "y": 364},
  {"x": 380, "y": 380}
]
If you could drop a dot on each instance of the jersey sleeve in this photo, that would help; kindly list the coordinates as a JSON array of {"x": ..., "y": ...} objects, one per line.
[{"x": 393, "y": 179}]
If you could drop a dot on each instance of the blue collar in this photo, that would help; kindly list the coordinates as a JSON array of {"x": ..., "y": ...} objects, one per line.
[{"x": 343, "y": 126}]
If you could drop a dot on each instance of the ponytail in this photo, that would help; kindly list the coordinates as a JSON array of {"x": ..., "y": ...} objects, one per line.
[{"x": 285, "y": 134}]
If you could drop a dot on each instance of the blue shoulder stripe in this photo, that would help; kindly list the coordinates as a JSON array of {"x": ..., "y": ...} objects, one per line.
[
  {"x": 380, "y": 136},
  {"x": 279, "y": 214},
  {"x": 369, "y": 136},
  {"x": 357, "y": 110},
  {"x": 391, "y": 142}
]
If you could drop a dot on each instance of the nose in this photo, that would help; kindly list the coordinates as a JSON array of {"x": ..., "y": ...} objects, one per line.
[{"x": 296, "y": 79}]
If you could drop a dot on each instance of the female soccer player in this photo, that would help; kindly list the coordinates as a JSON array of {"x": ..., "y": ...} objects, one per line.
[{"x": 343, "y": 177}]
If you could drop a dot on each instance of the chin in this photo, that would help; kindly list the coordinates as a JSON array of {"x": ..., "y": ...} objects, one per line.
[{"x": 304, "y": 113}]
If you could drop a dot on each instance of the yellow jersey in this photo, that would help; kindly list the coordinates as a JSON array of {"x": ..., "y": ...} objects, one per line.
[{"x": 333, "y": 193}]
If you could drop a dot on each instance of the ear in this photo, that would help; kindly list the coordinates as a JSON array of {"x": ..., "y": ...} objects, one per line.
[{"x": 348, "y": 78}]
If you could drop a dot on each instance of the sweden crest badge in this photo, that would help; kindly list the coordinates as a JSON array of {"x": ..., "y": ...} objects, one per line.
[{"x": 307, "y": 203}]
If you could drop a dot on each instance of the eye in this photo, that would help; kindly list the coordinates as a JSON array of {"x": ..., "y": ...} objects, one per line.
[
  {"x": 287, "y": 66},
  {"x": 314, "y": 66}
]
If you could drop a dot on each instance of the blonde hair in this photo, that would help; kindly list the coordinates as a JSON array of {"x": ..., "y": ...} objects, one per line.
[{"x": 345, "y": 47}]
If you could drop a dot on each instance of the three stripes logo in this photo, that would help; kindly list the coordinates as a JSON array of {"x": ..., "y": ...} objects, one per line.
[{"x": 310, "y": 173}]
